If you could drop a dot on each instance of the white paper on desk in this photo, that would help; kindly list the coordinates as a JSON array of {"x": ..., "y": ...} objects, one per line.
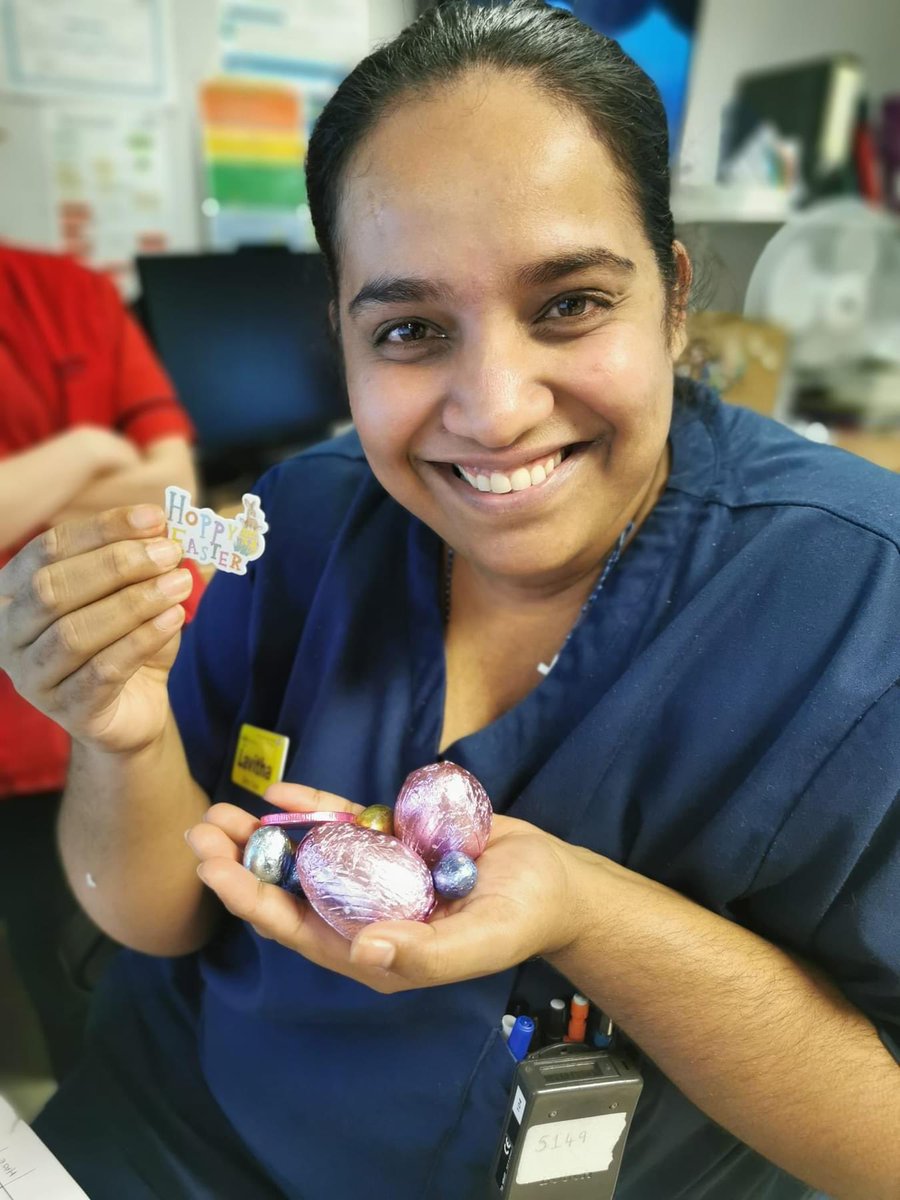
[{"x": 28, "y": 1171}]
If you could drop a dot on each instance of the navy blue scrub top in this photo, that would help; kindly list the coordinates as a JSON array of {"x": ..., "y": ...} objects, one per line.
[{"x": 725, "y": 719}]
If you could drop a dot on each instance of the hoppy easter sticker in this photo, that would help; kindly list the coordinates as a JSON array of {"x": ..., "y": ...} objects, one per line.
[{"x": 226, "y": 543}]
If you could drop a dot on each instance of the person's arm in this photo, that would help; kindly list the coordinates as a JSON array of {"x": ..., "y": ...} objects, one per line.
[
  {"x": 35, "y": 484},
  {"x": 168, "y": 460},
  {"x": 90, "y": 616},
  {"x": 121, "y": 837},
  {"x": 762, "y": 1044},
  {"x": 145, "y": 408}
]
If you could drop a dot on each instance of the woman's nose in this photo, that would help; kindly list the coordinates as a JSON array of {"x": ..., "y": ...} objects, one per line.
[{"x": 494, "y": 394}]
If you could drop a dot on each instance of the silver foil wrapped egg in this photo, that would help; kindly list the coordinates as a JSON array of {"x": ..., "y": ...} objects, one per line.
[
  {"x": 268, "y": 854},
  {"x": 443, "y": 807},
  {"x": 353, "y": 876},
  {"x": 454, "y": 876}
]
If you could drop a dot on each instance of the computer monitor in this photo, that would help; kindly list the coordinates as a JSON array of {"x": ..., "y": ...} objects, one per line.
[{"x": 246, "y": 341}]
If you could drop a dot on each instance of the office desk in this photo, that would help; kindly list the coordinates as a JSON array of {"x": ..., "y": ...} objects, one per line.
[{"x": 880, "y": 448}]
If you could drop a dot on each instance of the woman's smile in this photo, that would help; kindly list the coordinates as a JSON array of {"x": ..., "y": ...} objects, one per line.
[{"x": 503, "y": 485}]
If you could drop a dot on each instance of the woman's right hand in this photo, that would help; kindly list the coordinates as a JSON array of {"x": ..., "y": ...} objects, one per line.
[{"x": 89, "y": 625}]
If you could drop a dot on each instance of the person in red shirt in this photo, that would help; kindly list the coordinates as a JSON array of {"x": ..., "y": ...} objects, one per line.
[{"x": 88, "y": 420}]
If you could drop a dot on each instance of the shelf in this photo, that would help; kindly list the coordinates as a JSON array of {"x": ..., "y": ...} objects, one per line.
[{"x": 726, "y": 204}]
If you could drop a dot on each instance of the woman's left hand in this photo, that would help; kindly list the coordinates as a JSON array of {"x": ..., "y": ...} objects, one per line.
[{"x": 525, "y": 903}]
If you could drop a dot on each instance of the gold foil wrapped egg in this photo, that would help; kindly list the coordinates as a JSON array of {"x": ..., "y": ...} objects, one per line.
[{"x": 378, "y": 817}]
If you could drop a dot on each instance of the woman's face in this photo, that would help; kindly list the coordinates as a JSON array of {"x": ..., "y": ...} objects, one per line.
[{"x": 502, "y": 320}]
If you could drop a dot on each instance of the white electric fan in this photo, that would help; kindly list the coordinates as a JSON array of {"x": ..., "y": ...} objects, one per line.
[{"x": 831, "y": 277}]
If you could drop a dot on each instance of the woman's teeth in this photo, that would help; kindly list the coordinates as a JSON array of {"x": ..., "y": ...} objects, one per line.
[{"x": 516, "y": 481}]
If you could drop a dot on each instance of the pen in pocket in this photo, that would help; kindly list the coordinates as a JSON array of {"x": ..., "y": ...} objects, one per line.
[
  {"x": 600, "y": 1029},
  {"x": 520, "y": 1037}
]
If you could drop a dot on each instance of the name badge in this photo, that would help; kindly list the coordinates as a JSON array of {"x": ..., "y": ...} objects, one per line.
[{"x": 259, "y": 759}]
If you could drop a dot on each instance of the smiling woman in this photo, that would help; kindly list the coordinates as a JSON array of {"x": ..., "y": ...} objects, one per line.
[
  {"x": 540, "y": 326},
  {"x": 653, "y": 626},
  {"x": 511, "y": 379}
]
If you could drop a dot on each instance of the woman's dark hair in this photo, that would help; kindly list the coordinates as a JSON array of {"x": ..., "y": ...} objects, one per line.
[{"x": 572, "y": 63}]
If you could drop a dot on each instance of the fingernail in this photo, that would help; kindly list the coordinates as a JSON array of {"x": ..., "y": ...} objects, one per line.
[
  {"x": 200, "y": 869},
  {"x": 170, "y": 619},
  {"x": 164, "y": 553},
  {"x": 187, "y": 836},
  {"x": 146, "y": 516},
  {"x": 373, "y": 952},
  {"x": 175, "y": 584}
]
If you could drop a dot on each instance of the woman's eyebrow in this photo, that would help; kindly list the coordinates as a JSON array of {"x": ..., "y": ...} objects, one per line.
[
  {"x": 550, "y": 269},
  {"x": 387, "y": 289}
]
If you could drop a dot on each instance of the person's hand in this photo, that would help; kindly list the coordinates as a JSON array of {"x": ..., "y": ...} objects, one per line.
[
  {"x": 524, "y": 903},
  {"x": 104, "y": 449},
  {"x": 89, "y": 624}
]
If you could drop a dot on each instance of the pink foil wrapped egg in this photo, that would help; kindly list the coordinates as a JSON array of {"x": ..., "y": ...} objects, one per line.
[
  {"x": 443, "y": 807},
  {"x": 353, "y": 876}
]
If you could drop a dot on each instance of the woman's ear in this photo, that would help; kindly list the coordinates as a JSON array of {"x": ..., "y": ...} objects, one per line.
[{"x": 679, "y": 302}]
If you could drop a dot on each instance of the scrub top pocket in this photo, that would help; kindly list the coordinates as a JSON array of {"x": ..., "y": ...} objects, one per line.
[{"x": 461, "y": 1169}]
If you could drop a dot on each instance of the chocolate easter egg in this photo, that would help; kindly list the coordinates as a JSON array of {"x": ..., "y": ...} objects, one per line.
[
  {"x": 442, "y": 807},
  {"x": 455, "y": 875},
  {"x": 377, "y": 816},
  {"x": 353, "y": 876},
  {"x": 289, "y": 880},
  {"x": 268, "y": 854}
]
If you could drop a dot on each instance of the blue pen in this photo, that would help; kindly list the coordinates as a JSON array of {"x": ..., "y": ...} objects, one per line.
[
  {"x": 602, "y": 1030},
  {"x": 520, "y": 1038}
]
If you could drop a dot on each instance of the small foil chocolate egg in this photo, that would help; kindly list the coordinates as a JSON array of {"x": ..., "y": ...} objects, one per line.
[
  {"x": 290, "y": 881},
  {"x": 378, "y": 817},
  {"x": 443, "y": 807},
  {"x": 454, "y": 876},
  {"x": 268, "y": 853},
  {"x": 353, "y": 876}
]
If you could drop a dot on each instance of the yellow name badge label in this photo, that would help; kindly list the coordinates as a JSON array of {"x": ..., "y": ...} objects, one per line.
[{"x": 259, "y": 759}]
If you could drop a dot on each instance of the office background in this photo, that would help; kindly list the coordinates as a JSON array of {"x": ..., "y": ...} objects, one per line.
[{"x": 732, "y": 38}]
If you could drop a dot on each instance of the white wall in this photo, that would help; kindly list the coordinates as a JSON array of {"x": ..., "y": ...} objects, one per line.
[
  {"x": 25, "y": 211},
  {"x": 740, "y": 35},
  {"x": 388, "y": 17}
]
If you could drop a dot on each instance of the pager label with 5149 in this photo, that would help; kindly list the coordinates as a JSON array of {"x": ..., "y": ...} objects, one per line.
[{"x": 564, "y": 1133}]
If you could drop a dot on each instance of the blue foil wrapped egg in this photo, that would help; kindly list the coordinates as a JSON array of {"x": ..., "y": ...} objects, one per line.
[
  {"x": 269, "y": 854},
  {"x": 455, "y": 875},
  {"x": 290, "y": 880}
]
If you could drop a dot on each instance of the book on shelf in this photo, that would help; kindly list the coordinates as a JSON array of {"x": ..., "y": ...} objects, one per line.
[{"x": 814, "y": 103}]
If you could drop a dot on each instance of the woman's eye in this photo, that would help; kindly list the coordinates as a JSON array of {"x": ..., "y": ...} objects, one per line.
[
  {"x": 571, "y": 306},
  {"x": 402, "y": 334},
  {"x": 575, "y": 306}
]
